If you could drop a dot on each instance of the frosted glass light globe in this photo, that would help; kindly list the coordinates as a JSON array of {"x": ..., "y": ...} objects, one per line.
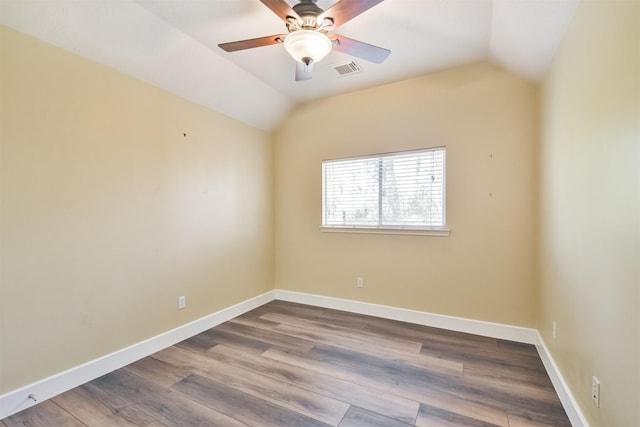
[{"x": 307, "y": 46}]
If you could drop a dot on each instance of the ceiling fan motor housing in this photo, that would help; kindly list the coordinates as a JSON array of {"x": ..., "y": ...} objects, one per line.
[{"x": 308, "y": 11}]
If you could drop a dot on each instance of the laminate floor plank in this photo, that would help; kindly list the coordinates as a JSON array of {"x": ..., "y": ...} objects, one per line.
[
  {"x": 327, "y": 338},
  {"x": 287, "y": 395},
  {"x": 274, "y": 338},
  {"x": 517, "y": 347},
  {"x": 208, "y": 339},
  {"x": 358, "y": 417},
  {"x": 45, "y": 414},
  {"x": 370, "y": 378},
  {"x": 334, "y": 331},
  {"x": 516, "y": 386},
  {"x": 303, "y": 361},
  {"x": 360, "y": 322},
  {"x": 165, "y": 405},
  {"x": 93, "y": 406},
  {"x": 406, "y": 381},
  {"x": 287, "y": 364},
  {"x": 423, "y": 361},
  {"x": 404, "y": 350},
  {"x": 493, "y": 354},
  {"x": 520, "y": 421},
  {"x": 364, "y": 369},
  {"x": 158, "y": 371},
  {"x": 382, "y": 403},
  {"x": 348, "y": 320},
  {"x": 457, "y": 405},
  {"x": 509, "y": 372},
  {"x": 427, "y": 334},
  {"x": 245, "y": 408},
  {"x": 430, "y": 416},
  {"x": 255, "y": 321},
  {"x": 353, "y": 321}
]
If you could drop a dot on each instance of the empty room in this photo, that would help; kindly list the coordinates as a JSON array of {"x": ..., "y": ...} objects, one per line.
[{"x": 320, "y": 213}]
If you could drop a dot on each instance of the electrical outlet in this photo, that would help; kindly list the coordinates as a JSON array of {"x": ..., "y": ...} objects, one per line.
[
  {"x": 595, "y": 391},
  {"x": 360, "y": 282},
  {"x": 555, "y": 330},
  {"x": 182, "y": 302}
]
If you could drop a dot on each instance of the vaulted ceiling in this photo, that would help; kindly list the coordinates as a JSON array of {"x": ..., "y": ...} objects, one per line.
[{"x": 173, "y": 44}]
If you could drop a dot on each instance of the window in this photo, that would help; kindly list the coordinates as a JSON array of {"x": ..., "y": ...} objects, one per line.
[{"x": 404, "y": 190}]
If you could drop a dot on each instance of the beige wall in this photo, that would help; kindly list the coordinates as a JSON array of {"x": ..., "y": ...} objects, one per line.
[
  {"x": 109, "y": 213},
  {"x": 486, "y": 268},
  {"x": 590, "y": 209}
]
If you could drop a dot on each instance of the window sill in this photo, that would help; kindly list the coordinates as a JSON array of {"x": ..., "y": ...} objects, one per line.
[{"x": 402, "y": 231}]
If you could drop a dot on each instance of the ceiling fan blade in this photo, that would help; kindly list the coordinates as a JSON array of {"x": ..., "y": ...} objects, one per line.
[
  {"x": 281, "y": 8},
  {"x": 346, "y": 10},
  {"x": 359, "y": 49},
  {"x": 251, "y": 43},
  {"x": 303, "y": 72}
]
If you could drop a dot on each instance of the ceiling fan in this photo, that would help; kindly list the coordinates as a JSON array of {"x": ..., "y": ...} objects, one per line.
[{"x": 309, "y": 40}]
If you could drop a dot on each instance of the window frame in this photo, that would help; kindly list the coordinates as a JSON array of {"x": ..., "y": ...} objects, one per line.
[{"x": 381, "y": 228}]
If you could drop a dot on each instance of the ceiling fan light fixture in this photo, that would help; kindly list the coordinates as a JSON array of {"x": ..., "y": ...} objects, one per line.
[{"x": 307, "y": 46}]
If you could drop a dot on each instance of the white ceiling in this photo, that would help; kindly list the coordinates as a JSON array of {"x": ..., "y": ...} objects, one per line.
[{"x": 173, "y": 44}]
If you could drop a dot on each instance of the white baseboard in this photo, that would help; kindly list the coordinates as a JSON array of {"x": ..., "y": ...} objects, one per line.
[
  {"x": 17, "y": 400},
  {"x": 477, "y": 327},
  {"x": 569, "y": 403}
]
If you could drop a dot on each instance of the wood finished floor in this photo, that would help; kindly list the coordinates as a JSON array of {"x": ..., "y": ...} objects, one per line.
[{"x": 287, "y": 364}]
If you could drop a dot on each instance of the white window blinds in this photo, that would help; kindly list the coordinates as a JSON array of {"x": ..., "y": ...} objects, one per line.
[{"x": 398, "y": 190}]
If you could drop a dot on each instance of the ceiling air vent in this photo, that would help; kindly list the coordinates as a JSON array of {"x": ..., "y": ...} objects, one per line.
[{"x": 346, "y": 69}]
